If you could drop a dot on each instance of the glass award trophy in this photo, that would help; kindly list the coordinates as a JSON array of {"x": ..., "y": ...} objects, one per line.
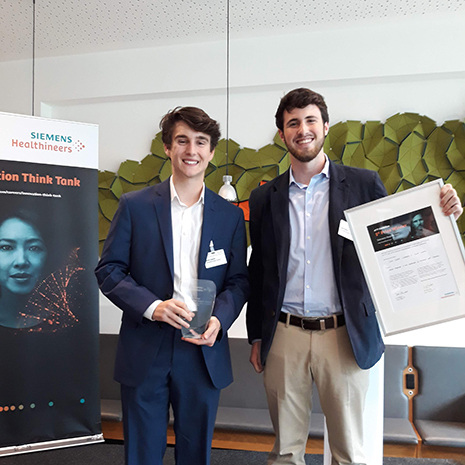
[{"x": 201, "y": 302}]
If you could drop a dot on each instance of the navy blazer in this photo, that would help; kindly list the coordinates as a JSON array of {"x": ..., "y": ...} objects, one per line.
[
  {"x": 270, "y": 236},
  {"x": 136, "y": 268}
]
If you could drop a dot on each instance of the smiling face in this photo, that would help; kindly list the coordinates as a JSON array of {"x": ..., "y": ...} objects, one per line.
[
  {"x": 22, "y": 256},
  {"x": 304, "y": 133},
  {"x": 189, "y": 152}
]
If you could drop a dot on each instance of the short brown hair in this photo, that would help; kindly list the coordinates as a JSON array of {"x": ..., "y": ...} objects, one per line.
[
  {"x": 195, "y": 118},
  {"x": 300, "y": 98}
]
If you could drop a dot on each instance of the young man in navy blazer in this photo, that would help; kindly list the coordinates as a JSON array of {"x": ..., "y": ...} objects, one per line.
[
  {"x": 157, "y": 247},
  {"x": 310, "y": 316}
]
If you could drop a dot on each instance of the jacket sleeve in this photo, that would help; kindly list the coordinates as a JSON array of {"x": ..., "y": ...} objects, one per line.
[
  {"x": 254, "y": 317},
  {"x": 113, "y": 270},
  {"x": 379, "y": 189}
]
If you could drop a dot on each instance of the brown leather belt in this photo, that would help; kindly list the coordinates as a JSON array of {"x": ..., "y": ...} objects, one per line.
[{"x": 314, "y": 324}]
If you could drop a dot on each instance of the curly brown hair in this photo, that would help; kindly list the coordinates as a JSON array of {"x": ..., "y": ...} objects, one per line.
[
  {"x": 195, "y": 118},
  {"x": 300, "y": 98}
]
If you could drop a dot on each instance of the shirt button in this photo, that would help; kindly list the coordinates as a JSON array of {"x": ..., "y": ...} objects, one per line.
[
  {"x": 308, "y": 237},
  {"x": 308, "y": 262},
  {"x": 307, "y": 286}
]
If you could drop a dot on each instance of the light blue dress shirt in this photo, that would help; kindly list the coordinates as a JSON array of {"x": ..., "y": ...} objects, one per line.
[{"x": 311, "y": 287}]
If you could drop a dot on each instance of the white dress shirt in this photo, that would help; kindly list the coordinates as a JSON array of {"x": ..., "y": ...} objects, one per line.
[{"x": 186, "y": 226}]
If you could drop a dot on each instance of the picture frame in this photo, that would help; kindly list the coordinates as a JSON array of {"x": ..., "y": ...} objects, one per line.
[{"x": 412, "y": 257}]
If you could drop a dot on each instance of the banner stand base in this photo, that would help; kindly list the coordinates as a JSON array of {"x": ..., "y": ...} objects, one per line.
[{"x": 47, "y": 445}]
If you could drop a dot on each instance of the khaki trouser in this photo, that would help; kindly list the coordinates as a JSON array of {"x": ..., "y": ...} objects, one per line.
[{"x": 296, "y": 359}]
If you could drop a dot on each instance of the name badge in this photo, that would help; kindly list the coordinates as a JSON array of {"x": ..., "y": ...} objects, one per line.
[
  {"x": 215, "y": 258},
  {"x": 344, "y": 230}
]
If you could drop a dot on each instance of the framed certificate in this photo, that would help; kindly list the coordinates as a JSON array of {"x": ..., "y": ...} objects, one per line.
[{"x": 412, "y": 257}]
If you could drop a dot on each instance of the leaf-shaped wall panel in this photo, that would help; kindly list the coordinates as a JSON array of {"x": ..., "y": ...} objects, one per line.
[
  {"x": 437, "y": 145},
  {"x": 399, "y": 126},
  {"x": 407, "y": 150},
  {"x": 354, "y": 155},
  {"x": 279, "y": 142},
  {"x": 117, "y": 188},
  {"x": 108, "y": 208},
  {"x": 105, "y": 179},
  {"x": 456, "y": 151},
  {"x": 165, "y": 171},
  {"x": 382, "y": 152},
  {"x": 457, "y": 179},
  {"x": 157, "y": 146},
  {"x": 251, "y": 179},
  {"x": 391, "y": 177},
  {"x": 284, "y": 164},
  {"x": 103, "y": 228},
  {"x": 410, "y": 159},
  {"x": 271, "y": 155},
  {"x": 214, "y": 180},
  {"x": 336, "y": 141},
  {"x": 150, "y": 167},
  {"x": 128, "y": 170},
  {"x": 129, "y": 187},
  {"x": 373, "y": 133},
  {"x": 248, "y": 158},
  {"x": 225, "y": 152}
]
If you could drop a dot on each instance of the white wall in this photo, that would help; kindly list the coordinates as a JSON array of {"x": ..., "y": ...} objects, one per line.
[
  {"x": 368, "y": 72},
  {"x": 16, "y": 87}
]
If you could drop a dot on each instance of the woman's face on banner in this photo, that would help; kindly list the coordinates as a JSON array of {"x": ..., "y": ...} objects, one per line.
[{"x": 22, "y": 256}]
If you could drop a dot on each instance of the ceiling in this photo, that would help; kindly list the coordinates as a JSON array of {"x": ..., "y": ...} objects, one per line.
[{"x": 64, "y": 27}]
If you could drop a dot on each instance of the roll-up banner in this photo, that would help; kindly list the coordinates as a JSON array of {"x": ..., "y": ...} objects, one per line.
[{"x": 49, "y": 391}]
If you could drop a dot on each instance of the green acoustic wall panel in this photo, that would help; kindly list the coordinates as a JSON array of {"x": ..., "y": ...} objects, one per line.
[{"x": 407, "y": 150}]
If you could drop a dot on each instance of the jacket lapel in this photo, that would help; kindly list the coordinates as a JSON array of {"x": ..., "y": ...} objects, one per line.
[
  {"x": 279, "y": 202},
  {"x": 209, "y": 222},
  {"x": 162, "y": 203},
  {"x": 338, "y": 202}
]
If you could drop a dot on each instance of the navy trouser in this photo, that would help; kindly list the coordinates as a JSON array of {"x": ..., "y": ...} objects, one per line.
[{"x": 178, "y": 377}]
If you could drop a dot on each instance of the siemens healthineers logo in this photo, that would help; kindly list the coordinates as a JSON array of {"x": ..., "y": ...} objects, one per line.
[
  {"x": 51, "y": 137},
  {"x": 50, "y": 142}
]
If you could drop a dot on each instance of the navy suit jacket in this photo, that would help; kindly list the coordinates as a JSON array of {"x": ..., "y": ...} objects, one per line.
[
  {"x": 136, "y": 268},
  {"x": 270, "y": 235}
]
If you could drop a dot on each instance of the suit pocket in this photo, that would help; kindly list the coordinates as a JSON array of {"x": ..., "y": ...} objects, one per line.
[{"x": 369, "y": 308}]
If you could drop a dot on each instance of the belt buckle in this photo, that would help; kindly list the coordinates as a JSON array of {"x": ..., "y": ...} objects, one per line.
[
  {"x": 320, "y": 321},
  {"x": 302, "y": 322}
]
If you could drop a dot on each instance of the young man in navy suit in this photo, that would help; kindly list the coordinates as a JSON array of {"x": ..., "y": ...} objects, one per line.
[
  {"x": 310, "y": 317},
  {"x": 161, "y": 240}
]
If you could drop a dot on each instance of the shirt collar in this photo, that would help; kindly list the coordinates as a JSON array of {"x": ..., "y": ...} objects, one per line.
[
  {"x": 174, "y": 195},
  {"x": 324, "y": 172}
]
